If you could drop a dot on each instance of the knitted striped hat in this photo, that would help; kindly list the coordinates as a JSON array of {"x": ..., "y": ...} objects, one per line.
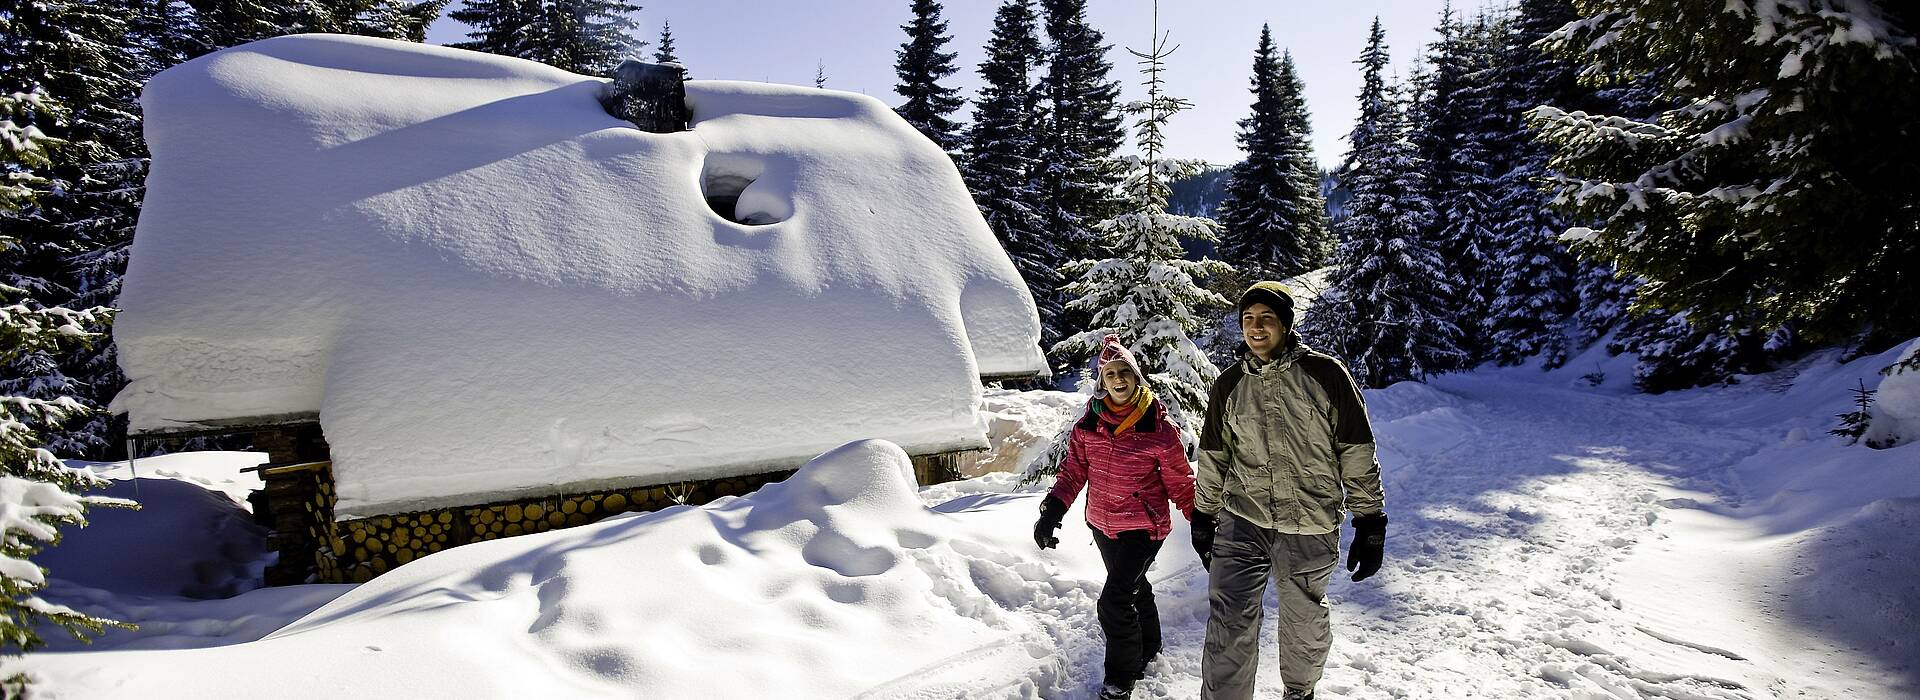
[{"x": 1112, "y": 351}]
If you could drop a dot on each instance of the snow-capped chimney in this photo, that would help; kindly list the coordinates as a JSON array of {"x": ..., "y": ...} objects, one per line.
[{"x": 650, "y": 95}]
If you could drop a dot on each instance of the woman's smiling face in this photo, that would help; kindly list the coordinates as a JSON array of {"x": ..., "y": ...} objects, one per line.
[{"x": 1117, "y": 378}]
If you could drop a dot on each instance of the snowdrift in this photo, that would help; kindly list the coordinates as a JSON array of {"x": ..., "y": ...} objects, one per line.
[
  {"x": 835, "y": 582},
  {"x": 488, "y": 288}
]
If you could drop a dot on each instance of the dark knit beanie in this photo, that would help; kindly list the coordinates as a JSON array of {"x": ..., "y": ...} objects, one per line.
[{"x": 1275, "y": 295}]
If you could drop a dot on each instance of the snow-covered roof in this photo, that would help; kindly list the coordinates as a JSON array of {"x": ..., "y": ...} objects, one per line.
[{"x": 486, "y": 287}]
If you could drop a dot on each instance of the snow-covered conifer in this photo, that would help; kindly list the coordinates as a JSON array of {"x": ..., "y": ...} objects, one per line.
[
  {"x": 1386, "y": 309},
  {"x": 584, "y": 36},
  {"x": 1531, "y": 271},
  {"x": 37, "y": 492},
  {"x": 1457, "y": 155},
  {"x": 1079, "y": 176},
  {"x": 70, "y": 245},
  {"x": 1146, "y": 292},
  {"x": 1767, "y": 192},
  {"x": 223, "y": 23},
  {"x": 920, "y": 65},
  {"x": 1273, "y": 218},
  {"x": 999, "y": 164}
]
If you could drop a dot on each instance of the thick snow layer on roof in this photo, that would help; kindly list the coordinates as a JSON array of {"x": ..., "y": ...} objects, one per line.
[{"x": 488, "y": 287}]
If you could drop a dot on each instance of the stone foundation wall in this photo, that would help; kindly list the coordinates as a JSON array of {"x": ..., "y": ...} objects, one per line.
[{"x": 315, "y": 549}]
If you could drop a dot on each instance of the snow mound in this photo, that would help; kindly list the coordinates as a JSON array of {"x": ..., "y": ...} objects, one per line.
[
  {"x": 833, "y": 582},
  {"x": 486, "y": 287},
  {"x": 192, "y": 537},
  {"x": 1404, "y": 399},
  {"x": 1896, "y": 406}
]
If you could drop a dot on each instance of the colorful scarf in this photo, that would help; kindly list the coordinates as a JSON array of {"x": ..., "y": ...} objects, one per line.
[{"x": 1121, "y": 418}]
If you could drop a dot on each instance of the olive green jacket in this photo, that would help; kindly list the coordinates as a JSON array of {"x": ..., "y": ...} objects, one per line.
[{"x": 1286, "y": 444}]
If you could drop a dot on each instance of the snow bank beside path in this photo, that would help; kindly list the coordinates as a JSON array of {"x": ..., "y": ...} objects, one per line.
[
  {"x": 835, "y": 582},
  {"x": 1896, "y": 408},
  {"x": 1797, "y": 564}
]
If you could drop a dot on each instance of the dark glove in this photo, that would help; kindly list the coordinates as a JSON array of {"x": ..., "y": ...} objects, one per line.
[
  {"x": 1369, "y": 543},
  {"x": 1203, "y": 525},
  {"x": 1051, "y": 511}
]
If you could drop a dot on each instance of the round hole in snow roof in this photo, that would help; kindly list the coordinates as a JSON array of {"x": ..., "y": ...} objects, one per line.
[{"x": 736, "y": 188}]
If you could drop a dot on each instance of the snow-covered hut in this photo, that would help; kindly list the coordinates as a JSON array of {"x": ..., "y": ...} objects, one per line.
[{"x": 496, "y": 299}]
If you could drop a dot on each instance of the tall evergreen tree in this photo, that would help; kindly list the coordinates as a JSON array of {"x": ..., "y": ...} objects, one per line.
[
  {"x": 999, "y": 164},
  {"x": 503, "y": 27},
  {"x": 1533, "y": 274},
  {"x": 920, "y": 65},
  {"x": 1079, "y": 175},
  {"x": 1385, "y": 310},
  {"x": 38, "y": 493},
  {"x": 1146, "y": 293},
  {"x": 71, "y": 243},
  {"x": 1455, "y": 143},
  {"x": 663, "y": 53},
  {"x": 223, "y": 23},
  {"x": 590, "y": 37},
  {"x": 1273, "y": 217},
  {"x": 1768, "y": 194}
]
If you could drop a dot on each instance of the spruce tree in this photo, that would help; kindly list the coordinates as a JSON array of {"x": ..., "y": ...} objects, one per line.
[
  {"x": 920, "y": 65},
  {"x": 1533, "y": 274},
  {"x": 1079, "y": 175},
  {"x": 1768, "y": 193},
  {"x": 38, "y": 493},
  {"x": 590, "y": 37},
  {"x": 1273, "y": 219},
  {"x": 224, "y": 23},
  {"x": 503, "y": 27},
  {"x": 664, "y": 53},
  {"x": 1145, "y": 293},
  {"x": 1317, "y": 233},
  {"x": 1385, "y": 310},
  {"x": 999, "y": 165},
  {"x": 71, "y": 244},
  {"x": 1456, "y": 149}
]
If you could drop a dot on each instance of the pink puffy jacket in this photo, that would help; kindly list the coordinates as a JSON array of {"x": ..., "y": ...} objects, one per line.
[{"x": 1129, "y": 478}]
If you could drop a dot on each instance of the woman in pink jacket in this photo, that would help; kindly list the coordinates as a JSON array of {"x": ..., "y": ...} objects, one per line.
[{"x": 1130, "y": 459}]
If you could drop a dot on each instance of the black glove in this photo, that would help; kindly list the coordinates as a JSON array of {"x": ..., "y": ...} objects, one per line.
[
  {"x": 1203, "y": 525},
  {"x": 1369, "y": 543},
  {"x": 1051, "y": 511}
]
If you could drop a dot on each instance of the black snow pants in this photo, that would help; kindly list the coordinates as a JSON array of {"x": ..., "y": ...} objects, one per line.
[{"x": 1127, "y": 612}]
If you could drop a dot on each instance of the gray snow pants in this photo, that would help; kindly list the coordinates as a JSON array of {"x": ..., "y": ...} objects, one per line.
[{"x": 1244, "y": 555}]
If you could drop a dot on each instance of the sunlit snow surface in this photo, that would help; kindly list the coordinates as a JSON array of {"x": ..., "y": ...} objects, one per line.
[
  {"x": 406, "y": 239},
  {"x": 1550, "y": 538}
]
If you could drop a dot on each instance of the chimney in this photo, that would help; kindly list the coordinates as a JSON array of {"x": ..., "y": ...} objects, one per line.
[{"x": 650, "y": 95}]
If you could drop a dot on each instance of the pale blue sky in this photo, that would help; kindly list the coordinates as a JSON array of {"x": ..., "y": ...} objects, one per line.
[{"x": 779, "y": 41}]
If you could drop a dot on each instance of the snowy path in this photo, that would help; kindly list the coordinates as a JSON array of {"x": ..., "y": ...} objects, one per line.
[{"x": 1514, "y": 503}]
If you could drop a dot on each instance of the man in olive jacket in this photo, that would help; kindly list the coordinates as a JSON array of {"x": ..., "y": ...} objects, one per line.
[{"x": 1286, "y": 446}]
